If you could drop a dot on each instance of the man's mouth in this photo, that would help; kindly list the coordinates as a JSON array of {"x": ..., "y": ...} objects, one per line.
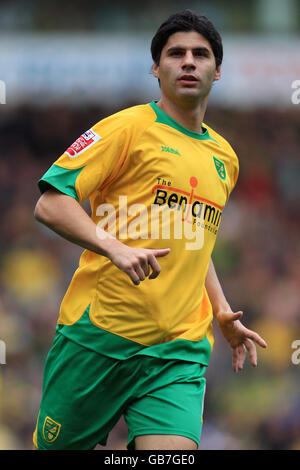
[{"x": 187, "y": 79}]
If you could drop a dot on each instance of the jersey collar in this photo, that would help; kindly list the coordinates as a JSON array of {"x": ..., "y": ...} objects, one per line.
[{"x": 164, "y": 118}]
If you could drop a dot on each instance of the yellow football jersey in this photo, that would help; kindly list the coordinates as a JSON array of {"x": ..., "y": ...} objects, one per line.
[{"x": 153, "y": 184}]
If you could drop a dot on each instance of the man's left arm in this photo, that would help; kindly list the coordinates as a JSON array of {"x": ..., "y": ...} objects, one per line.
[{"x": 240, "y": 338}]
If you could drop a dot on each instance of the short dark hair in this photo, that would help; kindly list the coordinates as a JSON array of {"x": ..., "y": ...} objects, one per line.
[{"x": 187, "y": 21}]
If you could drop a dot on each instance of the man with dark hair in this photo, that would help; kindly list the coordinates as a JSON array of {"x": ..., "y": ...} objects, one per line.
[
  {"x": 134, "y": 335},
  {"x": 187, "y": 21}
]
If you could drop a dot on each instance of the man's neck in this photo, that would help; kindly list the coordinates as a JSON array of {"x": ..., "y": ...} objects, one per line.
[{"x": 189, "y": 116}]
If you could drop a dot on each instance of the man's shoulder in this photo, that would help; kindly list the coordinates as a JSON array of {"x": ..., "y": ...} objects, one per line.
[
  {"x": 137, "y": 117},
  {"x": 231, "y": 157},
  {"x": 221, "y": 141}
]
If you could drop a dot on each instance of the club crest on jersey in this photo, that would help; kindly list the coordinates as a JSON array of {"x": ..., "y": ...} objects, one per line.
[
  {"x": 87, "y": 139},
  {"x": 220, "y": 167},
  {"x": 51, "y": 429}
]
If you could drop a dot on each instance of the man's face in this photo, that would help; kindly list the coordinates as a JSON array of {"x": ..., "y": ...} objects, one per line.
[{"x": 187, "y": 67}]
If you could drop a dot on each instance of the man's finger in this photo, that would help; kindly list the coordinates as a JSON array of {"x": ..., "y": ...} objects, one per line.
[
  {"x": 155, "y": 267},
  {"x": 154, "y": 263},
  {"x": 255, "y": 337},
  {"x": 133, "y": 276},
  {"x": 145, "y": 267},
  {"x": 252, "y": 351},
  {"x": 161, "y": 252},
  {"x": 235, "y": 359},
  {"x": 140, "y": 272},
  {"x": 242, "y": 356}
]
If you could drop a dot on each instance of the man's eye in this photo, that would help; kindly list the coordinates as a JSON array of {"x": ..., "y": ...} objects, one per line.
[{"x": 201, "y": 54}]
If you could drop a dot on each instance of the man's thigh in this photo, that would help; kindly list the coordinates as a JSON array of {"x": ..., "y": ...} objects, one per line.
[
  {"x": 83, "y": 397},
  {"x": 169, "y": 413}
]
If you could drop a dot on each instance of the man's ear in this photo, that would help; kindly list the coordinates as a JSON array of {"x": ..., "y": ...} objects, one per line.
[
  {"x": 155, "y": 70},
  {"x": 218, "y": 73}
]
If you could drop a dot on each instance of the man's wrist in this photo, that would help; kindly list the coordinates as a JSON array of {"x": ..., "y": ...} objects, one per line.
[
  {"x": 106, "y": 244},
  {"x": 224, "y": 308}
]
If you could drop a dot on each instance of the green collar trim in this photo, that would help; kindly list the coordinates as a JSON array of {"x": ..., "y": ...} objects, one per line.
[{"x": 164, "y": 118}]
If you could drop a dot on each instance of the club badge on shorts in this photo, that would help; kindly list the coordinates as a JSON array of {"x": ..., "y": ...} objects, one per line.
[{"x": 51, "y": 429}]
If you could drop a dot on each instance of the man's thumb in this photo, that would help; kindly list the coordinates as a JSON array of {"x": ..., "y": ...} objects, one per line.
[{"x": 236, "y": 316}]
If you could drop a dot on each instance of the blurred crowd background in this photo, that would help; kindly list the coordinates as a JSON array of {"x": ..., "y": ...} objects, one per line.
[{"x": 257, "y": 254}]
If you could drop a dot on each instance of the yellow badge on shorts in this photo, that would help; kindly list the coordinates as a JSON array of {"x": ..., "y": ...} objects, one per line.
[{"x": 51, "y": 429}]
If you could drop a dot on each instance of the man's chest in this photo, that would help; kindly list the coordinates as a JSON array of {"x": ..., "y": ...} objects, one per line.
[{"x": 167, "y": 168}]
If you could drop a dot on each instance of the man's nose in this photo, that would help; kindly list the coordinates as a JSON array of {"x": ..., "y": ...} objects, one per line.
[{"x": 188, "y": 60}]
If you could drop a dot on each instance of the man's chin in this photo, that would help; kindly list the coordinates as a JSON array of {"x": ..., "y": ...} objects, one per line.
[{"x": 190, "y": 94}]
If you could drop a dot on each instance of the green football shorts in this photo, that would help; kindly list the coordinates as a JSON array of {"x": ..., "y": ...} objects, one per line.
[{"x": 85, "y": 394}]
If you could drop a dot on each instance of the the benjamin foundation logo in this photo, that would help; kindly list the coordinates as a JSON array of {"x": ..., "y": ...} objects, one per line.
[
  {"x": 195, "y": 210},
  {"x": 173, "y": 214}
]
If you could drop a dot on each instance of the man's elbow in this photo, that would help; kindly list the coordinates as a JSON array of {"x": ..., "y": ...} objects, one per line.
[
  {"x": 40, "y": 211},
  {"x": 37, "y": 213}
]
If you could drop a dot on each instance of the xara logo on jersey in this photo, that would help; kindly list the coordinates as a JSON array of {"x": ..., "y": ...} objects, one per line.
[
  {"x": 164, "y": 148},
  {"x": 82, "y": 143}
]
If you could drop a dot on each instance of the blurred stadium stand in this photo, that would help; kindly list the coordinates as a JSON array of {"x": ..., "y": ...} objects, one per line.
[{"x": 257, "y": 254}]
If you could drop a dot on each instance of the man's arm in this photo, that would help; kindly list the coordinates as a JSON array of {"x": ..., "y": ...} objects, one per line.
[
  {"x": 65, "y": 216},
  {"x": 240, "y": 338},
  {"x": 215, "y": 291}
]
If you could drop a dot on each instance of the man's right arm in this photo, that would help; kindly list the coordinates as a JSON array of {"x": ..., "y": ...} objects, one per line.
[{"x": 65, "y": 216}]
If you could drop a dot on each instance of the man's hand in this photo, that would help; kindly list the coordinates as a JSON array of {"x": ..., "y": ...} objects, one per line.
[
  {"x": 136, "y": 262},
  {"x": 240, "y": 339},
  {"x": 65, "y": 216}
]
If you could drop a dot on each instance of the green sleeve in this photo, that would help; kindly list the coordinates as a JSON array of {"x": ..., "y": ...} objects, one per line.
[{"x": 60, "y": 178}]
